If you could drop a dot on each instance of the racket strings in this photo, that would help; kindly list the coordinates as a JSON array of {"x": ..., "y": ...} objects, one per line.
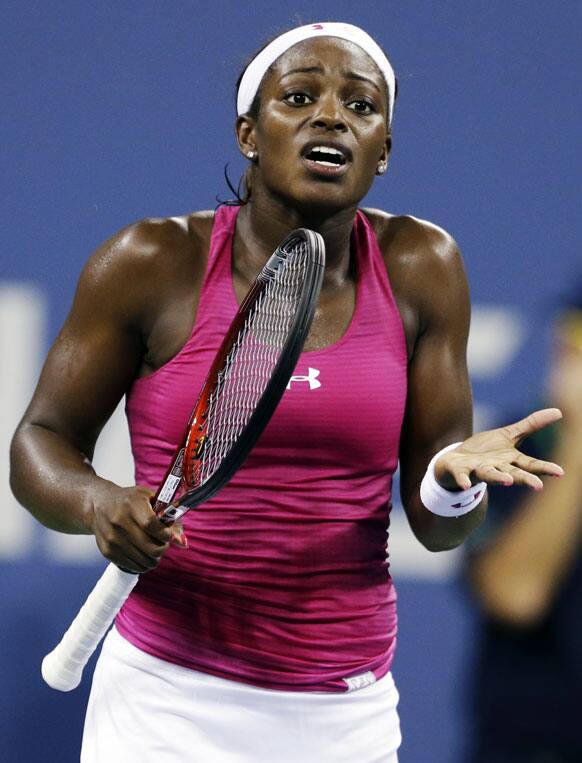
[{"x": 251, "y": 361}]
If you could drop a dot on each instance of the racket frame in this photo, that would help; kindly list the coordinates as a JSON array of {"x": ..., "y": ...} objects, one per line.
[{"x": 166, "y": 509}]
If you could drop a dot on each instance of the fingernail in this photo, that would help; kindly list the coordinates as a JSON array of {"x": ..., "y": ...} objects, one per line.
[{"x": 180, "y": 537}]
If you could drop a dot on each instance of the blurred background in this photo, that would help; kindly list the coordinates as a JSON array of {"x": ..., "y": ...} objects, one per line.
[{"x": 115, "y": 111}]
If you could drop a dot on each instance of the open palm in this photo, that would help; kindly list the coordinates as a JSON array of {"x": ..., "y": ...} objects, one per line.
[{"x": 493, "y": 456}]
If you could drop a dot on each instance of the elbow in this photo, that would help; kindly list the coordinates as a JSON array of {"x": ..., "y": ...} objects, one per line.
[
  {"x": 14, "y": 471},
  {"x": 22, "y": 465}
]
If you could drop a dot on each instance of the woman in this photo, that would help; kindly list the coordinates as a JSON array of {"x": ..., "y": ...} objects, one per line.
[{"x": 267, "y": 629}]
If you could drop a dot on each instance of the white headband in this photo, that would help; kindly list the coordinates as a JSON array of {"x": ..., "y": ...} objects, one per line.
[{"x": 257, "y": 68}]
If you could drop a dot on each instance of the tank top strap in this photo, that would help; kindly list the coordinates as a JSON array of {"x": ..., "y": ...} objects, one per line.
[
  {"x": 374, "y": 290},
  {"x": 375, "y": 298},
  {"x": 219, "y": 264},
  {"x": 217, "y": 304}
]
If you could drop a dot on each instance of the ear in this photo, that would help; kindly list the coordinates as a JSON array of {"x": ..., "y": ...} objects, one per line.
[
  {"x": 245, "y": 135},
  {"x": 383, "y": 160},
  {"x": 386, "y": 148}
]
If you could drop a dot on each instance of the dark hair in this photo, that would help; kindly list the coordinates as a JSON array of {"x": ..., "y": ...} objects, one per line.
[
  {"x": 243, "y": 186},
  {"x": 242, "y": 191}
]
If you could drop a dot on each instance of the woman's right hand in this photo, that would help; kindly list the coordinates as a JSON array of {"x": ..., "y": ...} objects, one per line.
[{"x": 128, "y": 532}]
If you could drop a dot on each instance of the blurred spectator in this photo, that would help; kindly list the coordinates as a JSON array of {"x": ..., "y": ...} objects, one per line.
[{"x": 525, "y": 570}]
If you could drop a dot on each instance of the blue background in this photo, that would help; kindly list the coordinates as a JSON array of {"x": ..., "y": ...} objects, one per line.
[{"x": 112, "y": 112}]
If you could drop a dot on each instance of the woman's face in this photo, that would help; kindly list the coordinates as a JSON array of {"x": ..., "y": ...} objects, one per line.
[{"x": 322, "y": 125}]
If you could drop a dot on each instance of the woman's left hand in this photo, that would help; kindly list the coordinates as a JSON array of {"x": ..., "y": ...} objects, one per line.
[{"x": 493, "y": 457}]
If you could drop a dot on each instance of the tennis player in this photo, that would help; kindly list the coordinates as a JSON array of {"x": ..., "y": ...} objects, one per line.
[{"x": 265, "y": 631}]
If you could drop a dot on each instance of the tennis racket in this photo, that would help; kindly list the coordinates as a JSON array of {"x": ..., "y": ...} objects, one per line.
[{"x": 244, "y": 385}]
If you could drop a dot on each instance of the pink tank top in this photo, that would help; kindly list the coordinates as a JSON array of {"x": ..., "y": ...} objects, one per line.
[{"x": 285, "y": 583}]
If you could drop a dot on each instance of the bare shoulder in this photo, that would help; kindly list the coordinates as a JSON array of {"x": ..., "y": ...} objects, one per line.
[
  {"x": 425, "y": 270},
  {"x": 415, "y": 241},
  {"x": 418, "y": 254},
  {"x": 152, "y": 241},
  {"x": 149, "y": 256}
]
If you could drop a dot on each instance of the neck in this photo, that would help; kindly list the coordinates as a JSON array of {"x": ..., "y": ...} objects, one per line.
[{"x": 261, "y": 227}]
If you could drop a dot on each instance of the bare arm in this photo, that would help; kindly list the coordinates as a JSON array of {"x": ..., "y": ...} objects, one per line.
[
  {"x": 427, "y": 272},
  {"x": 517, "y": 576},
  {"x": 91, "y": 365},
  {"x": 87, "y": 371},
  {"x": 439, "y": 402}
]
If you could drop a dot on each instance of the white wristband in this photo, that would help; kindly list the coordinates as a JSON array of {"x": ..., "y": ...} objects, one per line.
[{"x": 448, "y": 503}]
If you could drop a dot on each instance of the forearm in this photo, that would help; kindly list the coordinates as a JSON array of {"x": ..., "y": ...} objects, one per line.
[
  {"x": 442, "y": 533},
  {"x": 53, "y": 479},
  {"x": 517, "y": 576},
  {"x": 435, "y": 532}
]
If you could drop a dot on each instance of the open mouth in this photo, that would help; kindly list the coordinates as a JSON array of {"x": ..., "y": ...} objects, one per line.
[
  {"x": 326, "y": 161},
  {"x": 326, "y": 156}
]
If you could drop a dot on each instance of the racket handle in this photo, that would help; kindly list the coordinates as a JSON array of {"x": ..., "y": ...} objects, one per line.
[{"x": 62, "y": 668}]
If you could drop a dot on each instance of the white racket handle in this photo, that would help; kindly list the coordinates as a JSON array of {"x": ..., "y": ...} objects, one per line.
[{"x": 62, "y": 668}]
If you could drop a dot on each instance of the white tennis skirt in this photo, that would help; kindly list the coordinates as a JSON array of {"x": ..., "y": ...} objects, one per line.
[{"x": 145, "y": 710}]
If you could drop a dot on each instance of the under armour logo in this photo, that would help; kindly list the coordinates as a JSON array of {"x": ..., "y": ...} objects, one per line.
[
  {"x": 317, "y": 26},
  {"x": 312, "y": 374},
  {"x": 462, "y": 505}
]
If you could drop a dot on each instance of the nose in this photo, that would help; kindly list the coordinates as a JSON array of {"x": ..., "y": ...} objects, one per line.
[{"x": 329, "y": 116}]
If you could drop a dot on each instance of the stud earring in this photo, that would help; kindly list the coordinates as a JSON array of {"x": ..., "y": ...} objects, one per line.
[
  {"x": 382, "y": 166},
  {"x": 251, "y": 154}
]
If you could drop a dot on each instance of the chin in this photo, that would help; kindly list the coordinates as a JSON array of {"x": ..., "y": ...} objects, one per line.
[{"x": 323, "y": 198}]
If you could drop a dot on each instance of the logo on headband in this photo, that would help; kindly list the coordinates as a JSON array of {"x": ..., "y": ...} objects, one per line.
[{"x": 317, "y": 26}]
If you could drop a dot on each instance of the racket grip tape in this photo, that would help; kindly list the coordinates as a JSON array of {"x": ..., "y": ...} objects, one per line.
[{"x": 62, "y": 669}]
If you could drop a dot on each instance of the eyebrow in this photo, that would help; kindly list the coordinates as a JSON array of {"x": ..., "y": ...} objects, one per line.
[
  {"x": 303, "y": 70},
  {"x": 362, "y": 78},
  {"x": 319, "y": 70}
]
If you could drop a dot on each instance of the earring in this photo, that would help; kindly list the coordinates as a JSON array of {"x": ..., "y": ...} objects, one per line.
[
  {"x": 251, "y": 154},
  {"x": 382, "y": 166}
]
